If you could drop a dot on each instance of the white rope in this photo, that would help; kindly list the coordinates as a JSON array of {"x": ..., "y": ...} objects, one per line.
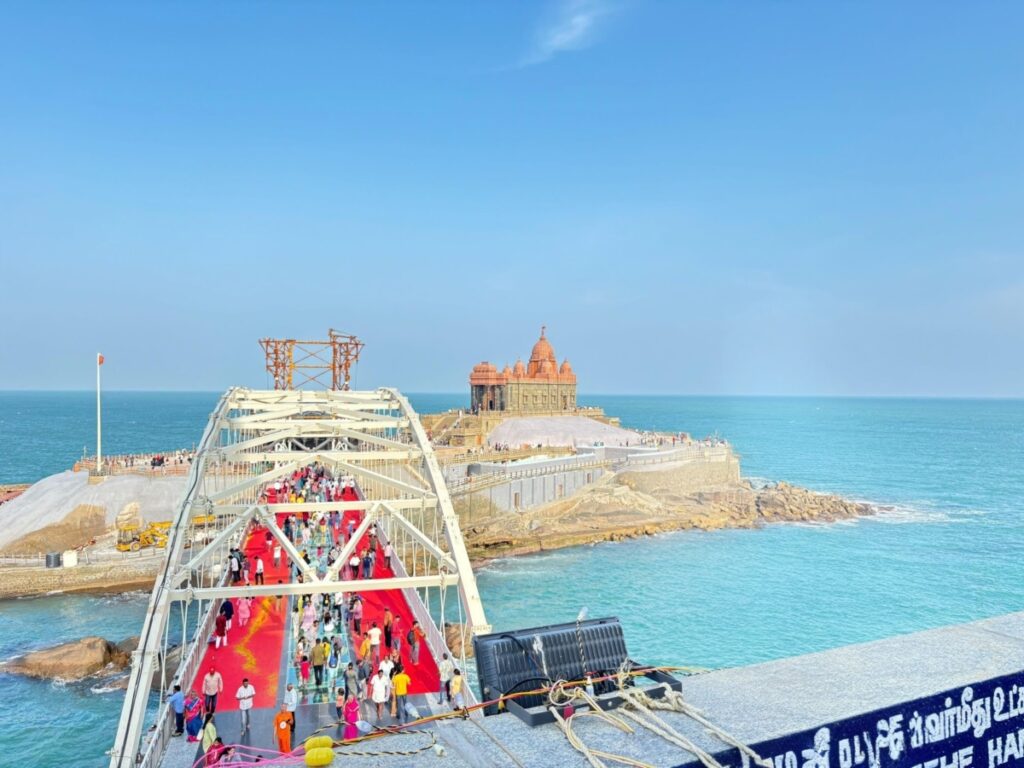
[
  {"x": 638, "y": 707},
  {"x": 559, "y": 696},
  {"x": 675, "y": 699}
]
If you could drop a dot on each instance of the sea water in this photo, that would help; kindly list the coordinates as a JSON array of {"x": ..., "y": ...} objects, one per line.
[{"x": 945, "y": 548}]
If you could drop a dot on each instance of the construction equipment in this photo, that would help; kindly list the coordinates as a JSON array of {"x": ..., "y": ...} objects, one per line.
[{"x": 131, "y": 536}]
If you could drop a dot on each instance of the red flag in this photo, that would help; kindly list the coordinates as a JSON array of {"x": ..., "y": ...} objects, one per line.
[{"x": 99, "y": 359}]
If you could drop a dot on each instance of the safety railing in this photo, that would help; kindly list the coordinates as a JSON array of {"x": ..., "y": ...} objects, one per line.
[
  {"x": 435, "y": 640},
  {"x": 475, "y": 483},
  {"x": 686, "y": 453},
  {"x": 161, "y": 733},
  {"x": 85, "y": 557}
]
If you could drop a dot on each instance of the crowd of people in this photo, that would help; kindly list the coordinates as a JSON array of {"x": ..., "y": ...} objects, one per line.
[{"x": 337, "y": 655}]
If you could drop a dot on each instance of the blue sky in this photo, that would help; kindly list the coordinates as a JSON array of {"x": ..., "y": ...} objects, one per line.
[{"x": 695, "y": 197}]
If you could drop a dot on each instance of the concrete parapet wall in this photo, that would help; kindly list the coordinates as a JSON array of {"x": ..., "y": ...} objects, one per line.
[
  {"x": 530, "y": 492},
  {"x": 683, "y": 477}
]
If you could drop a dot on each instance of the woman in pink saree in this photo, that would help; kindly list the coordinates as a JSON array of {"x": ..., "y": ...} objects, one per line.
[{"x": 351, "y": 717}]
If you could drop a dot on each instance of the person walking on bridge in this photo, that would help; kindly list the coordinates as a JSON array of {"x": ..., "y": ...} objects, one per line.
[
  {"x": 193, "y": 715},
  {"x": 291, "y": 703},
  {"x": 245, "y": 695},
  {"x": 318, "y": 662},
  {"x": 388, "y": 618},
  {"x": 400, "y": 683},
  {"x": 415, "y": 638},
  {"x": 213, "y": 685},
  {"x": 374, "y": 634},
  {"x": 284, "y": 723},
  {"x": 445, "y": 671}
]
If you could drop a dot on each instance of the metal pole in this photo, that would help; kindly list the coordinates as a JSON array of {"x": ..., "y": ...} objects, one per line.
[{"x": 99, "y": 418}]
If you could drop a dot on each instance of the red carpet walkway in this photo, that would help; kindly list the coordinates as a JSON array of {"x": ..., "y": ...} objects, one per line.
[
  {"x": 253, "y": 651},
  {"x": 425, "y": 677}
]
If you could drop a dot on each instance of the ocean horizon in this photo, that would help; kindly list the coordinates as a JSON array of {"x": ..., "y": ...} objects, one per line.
[{"x": 946, "y": 474}]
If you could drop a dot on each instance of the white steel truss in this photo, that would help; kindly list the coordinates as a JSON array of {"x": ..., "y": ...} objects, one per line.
[{"x": 253, "y": 439}]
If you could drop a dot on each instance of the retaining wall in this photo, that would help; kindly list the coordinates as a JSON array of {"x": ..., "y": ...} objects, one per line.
[{"x": 22, "y": 581}]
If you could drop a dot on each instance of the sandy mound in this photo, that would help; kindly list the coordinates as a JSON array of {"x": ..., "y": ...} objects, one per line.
[
  {"x": 559, "y": 430},
  {"x": 63, "y": 511},
  {"x": 84, "y": 522}
]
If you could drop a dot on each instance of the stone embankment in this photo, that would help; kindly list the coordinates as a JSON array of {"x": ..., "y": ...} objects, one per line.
[
  {"x": 113, "y": 576},
  {"x": 632, "y": 504}
]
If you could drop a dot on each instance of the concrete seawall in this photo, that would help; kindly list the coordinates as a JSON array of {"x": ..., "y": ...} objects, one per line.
[{"x": 115, "y": 576}]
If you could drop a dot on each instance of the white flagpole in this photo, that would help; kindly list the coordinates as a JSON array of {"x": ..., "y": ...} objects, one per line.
[{"x": 99, "y": 420}]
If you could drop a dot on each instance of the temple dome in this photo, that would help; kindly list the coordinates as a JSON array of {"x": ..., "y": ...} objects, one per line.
[
  {"x": 566, "y": 368},
  {"x": 542, "y": 350},
  {"x": 520, "y": 369},
  {"x": 506, "y": 371}
]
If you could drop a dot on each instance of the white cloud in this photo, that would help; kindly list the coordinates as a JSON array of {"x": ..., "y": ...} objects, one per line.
[{"x": 572, "y": 26}]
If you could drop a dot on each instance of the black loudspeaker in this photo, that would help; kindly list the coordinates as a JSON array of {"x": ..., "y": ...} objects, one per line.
[{"x": 526, "y": 659}]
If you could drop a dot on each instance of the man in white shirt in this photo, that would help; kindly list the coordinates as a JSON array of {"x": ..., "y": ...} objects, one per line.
[
  {"x": 380, "y": 692},
  {"x": 259, "y": 569},
  {"x": 277, "y": 555},
  {"x": 374, "y": 633},
  {"x": 213, "y": 685},
  {"x": 445, "y": 671},
  {"x": 291, "y": 702},
  {"x": 245, "y": 695},
  {"x": 386, "y": 666}
]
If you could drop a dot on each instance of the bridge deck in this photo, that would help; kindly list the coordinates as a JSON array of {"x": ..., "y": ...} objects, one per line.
[
  {"x": 262, "y": 649},
  {"x": 780, "y": 708}
]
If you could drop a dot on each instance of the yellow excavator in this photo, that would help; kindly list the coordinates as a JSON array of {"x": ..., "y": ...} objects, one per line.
[{"x": 132, "y": 536}]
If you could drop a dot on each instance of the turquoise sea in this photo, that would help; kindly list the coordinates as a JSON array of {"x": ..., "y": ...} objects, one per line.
[{"x": 947, "y": 550}]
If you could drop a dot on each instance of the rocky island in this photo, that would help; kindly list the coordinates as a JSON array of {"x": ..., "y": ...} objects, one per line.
[{"x": 619, "y": 506}]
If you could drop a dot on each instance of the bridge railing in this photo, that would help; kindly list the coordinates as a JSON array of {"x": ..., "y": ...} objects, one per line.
[
  {"x": 435, "y": 639},
  {"x": 185, "y": 676}
]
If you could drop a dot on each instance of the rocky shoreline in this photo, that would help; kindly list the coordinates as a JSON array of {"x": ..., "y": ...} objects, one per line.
[
  {"x": 628, "y": 506},
  {"x": 620, "y": 506}
]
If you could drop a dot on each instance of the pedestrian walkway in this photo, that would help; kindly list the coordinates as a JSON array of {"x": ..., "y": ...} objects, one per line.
[
  {"x": 424, "y": 675},
  {"x": 253, "y": 651}
]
